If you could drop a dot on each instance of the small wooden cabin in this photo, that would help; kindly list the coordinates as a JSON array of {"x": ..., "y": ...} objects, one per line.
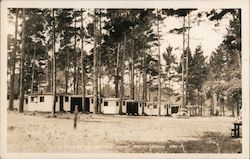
[
  {"x": 166, "y": 109},
  {"x": 132, "y": 107},
  {"x": 41, "y": 102},
  {"x": 151, "y": 108},
  {"x": 110, "y": 105},
  {"x": 77, "y": 100},
  {"x": 63, "y": 101}
]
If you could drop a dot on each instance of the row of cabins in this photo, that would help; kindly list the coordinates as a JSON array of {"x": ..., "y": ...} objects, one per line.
[{"x": 67, "y": 102}]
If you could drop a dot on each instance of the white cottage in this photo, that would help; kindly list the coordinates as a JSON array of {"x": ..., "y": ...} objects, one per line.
[
  {"x": 77, "y": 100},
  {"x": 153, "y": 108},
  {"x": 110, "y": 105},
  {"x": 41, "y": 102},
  {"x": 132, "y": 107},
  {"x": 63, "y": 101}
]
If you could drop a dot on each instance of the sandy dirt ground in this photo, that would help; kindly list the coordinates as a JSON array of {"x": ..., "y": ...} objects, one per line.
[{"x": 104, "y": 133}]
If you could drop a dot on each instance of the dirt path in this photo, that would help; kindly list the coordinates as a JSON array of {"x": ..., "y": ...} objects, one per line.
[{"x": 99, "y": 133}]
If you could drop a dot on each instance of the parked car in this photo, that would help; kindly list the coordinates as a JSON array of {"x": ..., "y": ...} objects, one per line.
[{"x": 182, "y": 113}]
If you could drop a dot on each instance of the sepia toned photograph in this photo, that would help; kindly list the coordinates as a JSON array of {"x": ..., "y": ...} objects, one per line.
[{"x": 131, "y": 80}]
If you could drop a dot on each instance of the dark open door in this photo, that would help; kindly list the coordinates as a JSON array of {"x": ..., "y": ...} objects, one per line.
[
  {"x": 135, "y": 108},
  {"x": 76, "y": 101},
  {"x": 174, "y": 110},
  {"x": 129, "y": 108},
  {"x": 61, "y": 103},
  {"x": 87, "y": 104}
]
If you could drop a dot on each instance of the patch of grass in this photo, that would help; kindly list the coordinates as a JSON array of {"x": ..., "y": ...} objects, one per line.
[{"x": 208, "y": 143}]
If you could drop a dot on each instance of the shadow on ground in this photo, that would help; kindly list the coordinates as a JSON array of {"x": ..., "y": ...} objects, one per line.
[{"x": 210, "y": 142}]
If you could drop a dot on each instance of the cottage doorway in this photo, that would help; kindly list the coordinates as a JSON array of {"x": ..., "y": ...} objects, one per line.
[
  {"x": 74, "y": 102},
  {"x": 174, "y": 110},
  {"x": 132, "y": 108},
  {"x": 61, "y": 103}
]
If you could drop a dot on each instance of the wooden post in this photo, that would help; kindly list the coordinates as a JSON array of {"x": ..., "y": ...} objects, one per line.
[{"x": 75, "y": 119}]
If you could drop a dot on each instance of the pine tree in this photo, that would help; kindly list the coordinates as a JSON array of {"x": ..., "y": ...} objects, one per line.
[{"x": 13, "y": 63}]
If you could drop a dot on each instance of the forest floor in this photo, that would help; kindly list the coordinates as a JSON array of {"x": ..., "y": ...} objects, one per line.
[{"x": 35, "y": 132}]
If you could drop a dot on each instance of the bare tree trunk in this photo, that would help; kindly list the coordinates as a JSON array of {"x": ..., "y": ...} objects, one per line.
[
  {"x": 187, "y": 54},
  {"x": 75, "y": 53},
  {"x": 54, "y": 66},
  {"x": 83, "y": 66},
  {"x": 33, "y": 70},
  {"x": 144, "y": 77},
  {"x": 139, "y": 84},
  {"x": 159, "y": 67},
  {"x": 77, "y": 78},
  {"x": 183, "y": 67},
  {"x": 67, "y": 71},
  {"x": 132, "y": 84},
  {"x": 99, "y": 64},
  {"x": 21, "y": 96},
  {"x": 95, "y": 66},
  {"x": 238, "y": 108},
  {"x": 117, "y": 72},
  {"x": 149, "y": 84},
  {"x": 13, "y": 65},
  {"x": 122, "y": 73}
]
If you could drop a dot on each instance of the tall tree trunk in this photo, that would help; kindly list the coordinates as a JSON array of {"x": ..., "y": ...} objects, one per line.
[
  {"x": 144, "y": 77},
  {"x": 149, "y": 84},
  {"x": 33, "y": 70},
  {"x": 54, "y": 65},
  {"x": 238, "y": 108},
  {"x": 139, "y": 84},
  {"x": 83, "y": 66},
  {"x": 187, "y": 54},
  {"x": 67, "y": 71},
  {"x": 132, "y": 84},
  {"x": 232, "y": 106},
  {"x": 21, "y": 96},
  {"x": 75, "y": 53},
  {"x": 77, "y": 78},
  {"x": 122, "y": 73},
  {"x": 169, "y": 85},
  {"x": 159, "y": 67},
  {"x": 117, "y": 72},
  {"x": 49, "y": 87},
  {"x": 99, "y": 64},
  {"x": 13, "y": 65},
  {"x": 183, "y": 67},
  {"x": 95, "y": 89}
]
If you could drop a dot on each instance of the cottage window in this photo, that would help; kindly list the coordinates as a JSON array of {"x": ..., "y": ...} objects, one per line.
[
  {"x": 117, "y": 103},
  {"x": 105, "y": 103},
  {"x": 140, "y": 104},
  {"x": 145, "y": 105},
  {"x": 92, "y": 100},
  {"x": 32, "y": 99},
  {"x": 41, "y": 99},
  {"x": 165, "y": 106},
  {"x": 8, "y": 96},
  {"x": 56, "y": 99},
  {"x": 101, "y": 100},
  {"x": 26, "y": 101},
  {"x": 155, "y": 106},
  {"x": 123, "y": 103},
  {"x": 66, "y": 99}
]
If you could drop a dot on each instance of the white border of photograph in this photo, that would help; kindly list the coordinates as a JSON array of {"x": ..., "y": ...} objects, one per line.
[{"x": 243, "y": 4}]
